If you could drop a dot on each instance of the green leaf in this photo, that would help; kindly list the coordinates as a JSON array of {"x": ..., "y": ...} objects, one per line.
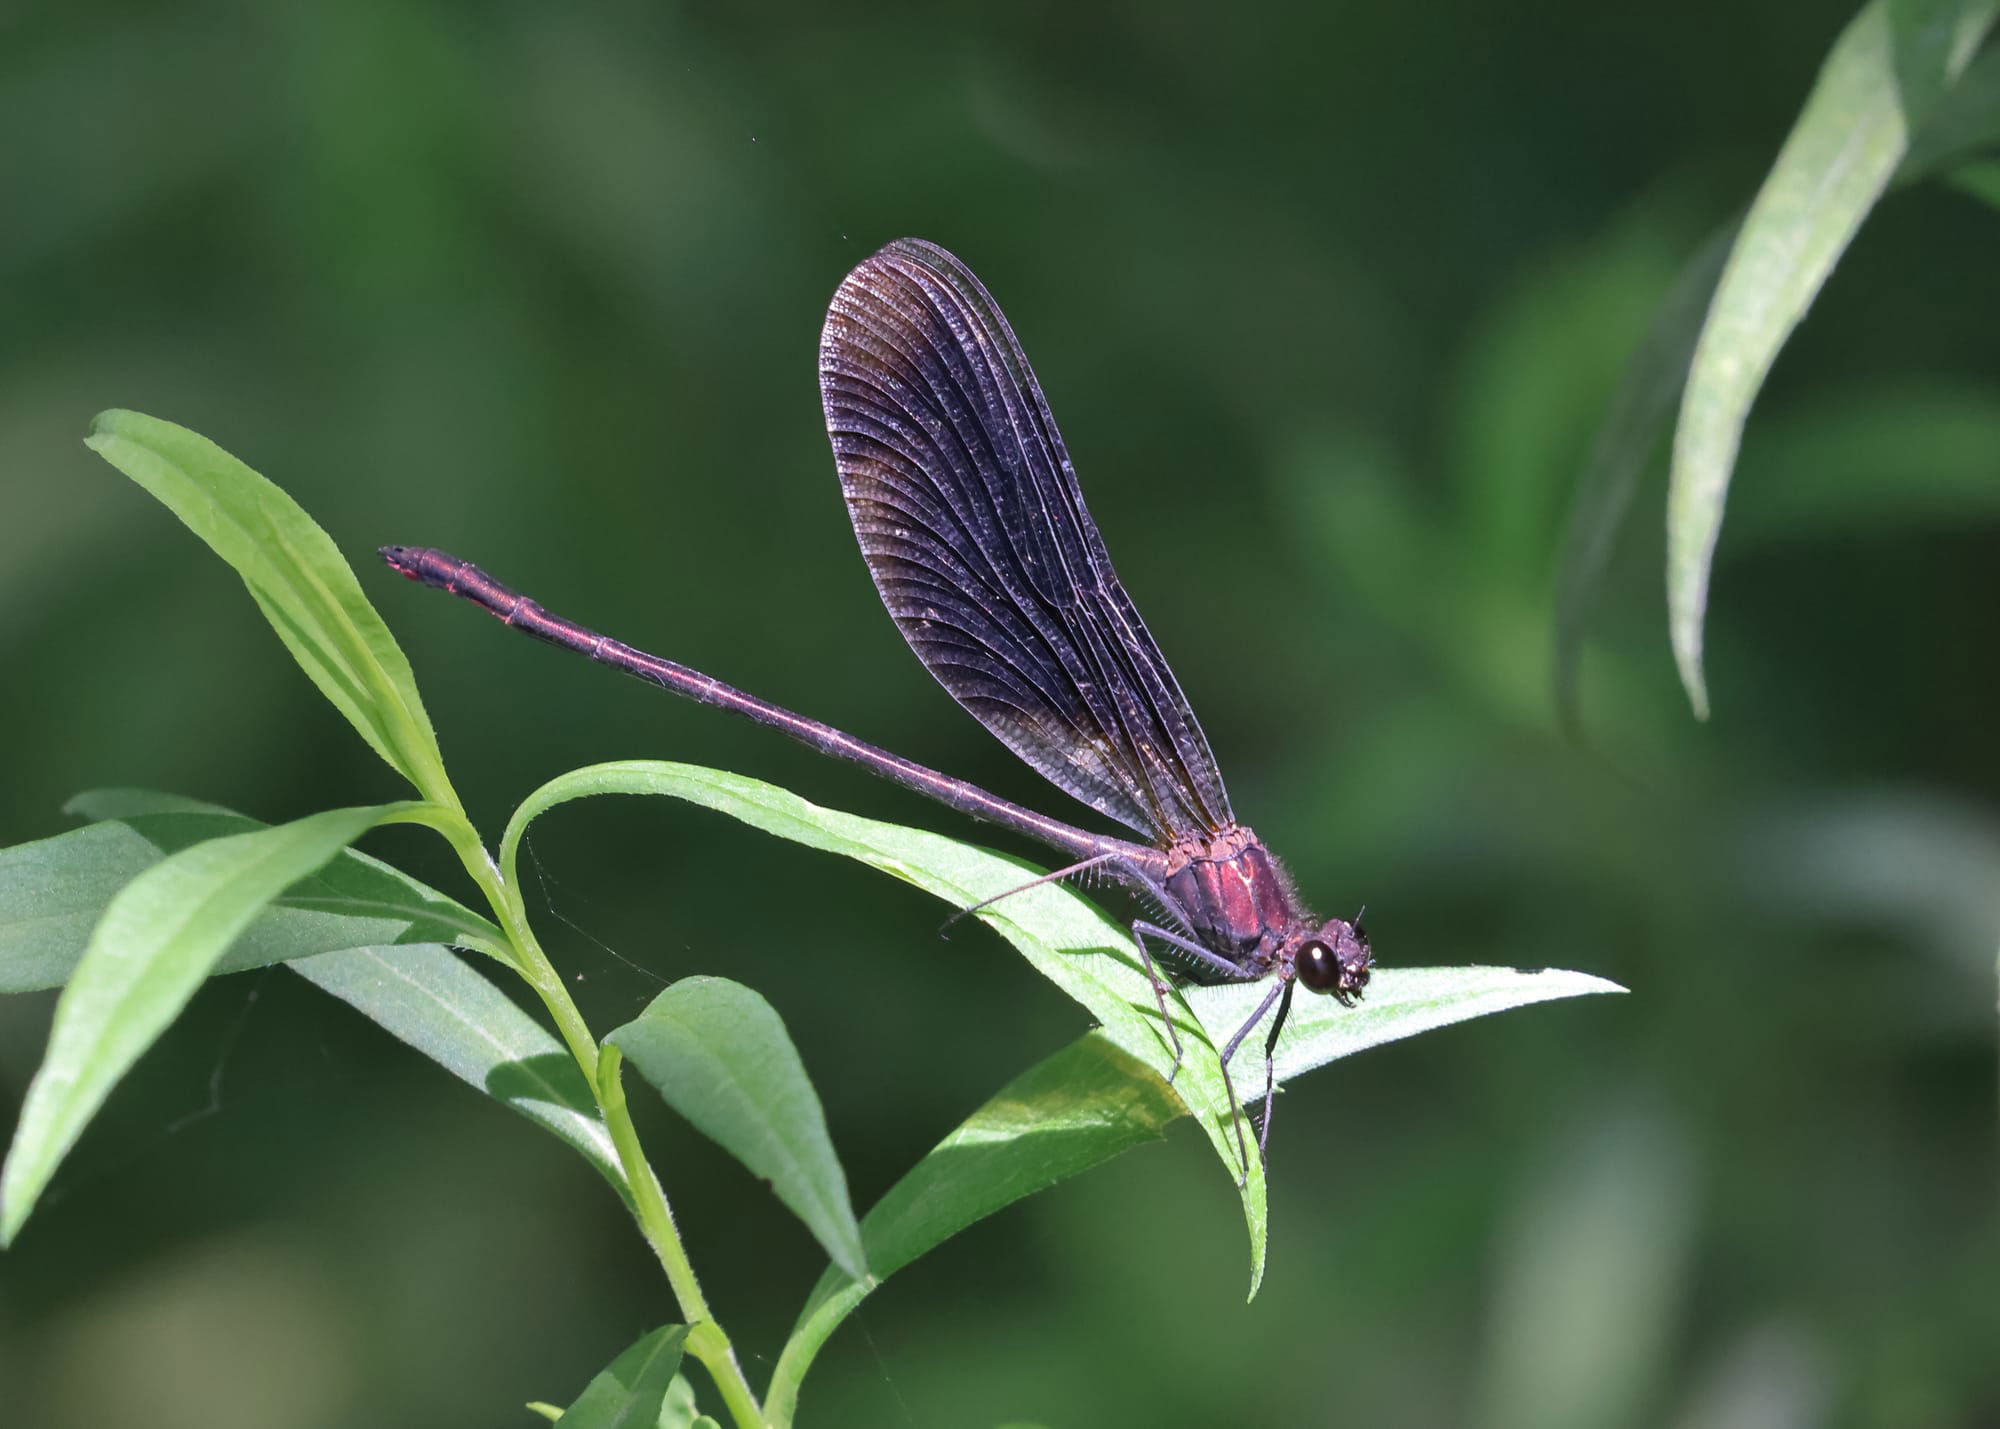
[
  {"x": 1980, "y": 181},
  {"x": 1401, "y": 1002},
  {"x": 1072, "y": 943},
  {"x": 1539, "y": 367},
  {"x": 1885, "y": 75},
  {"x": 1620, "y": 452},
  {"x": 53, "y": 891},
  {"x": 119, "y": 802},
  {"x": 1092, "y": 1100},
  {"x": 1966, "y": 121},
  {"x": 1585, "y": 1318},
  {"x": 158, "y": 939},
  {"x": 426, "y": 997},
  {"x": 298, "y": 577},
  {"x": 678, "y": 1410},
  {"x": 1066, "y": 1114},
  {"x": 359, "y": 928},
  {"x": 1963, "y": 125},
  {"x": 719, "y": 1055},
  {"x": 1067, "y": 939},
  {"x": 628, "y": 1392},
  {"x": 1875, "y": 459}
]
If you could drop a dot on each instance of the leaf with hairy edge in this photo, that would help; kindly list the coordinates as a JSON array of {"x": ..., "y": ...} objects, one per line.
[
  {"x": 428, "y": 998},
  {"x": 158, "y": 939},
  {"x": 718, "y": 1054},
  {"x": 1068, "y": 939},
  {"x": 1401, "y": 1002},
  {"x": 1092, "y": 1101},
  {"x": 1886, "y": 74},
  {"x": 53, "y": 891},
  {"x": 300, "y": 581}
]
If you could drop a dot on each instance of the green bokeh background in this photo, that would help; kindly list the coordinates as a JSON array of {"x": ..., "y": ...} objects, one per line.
[{"x": 1328, "y": 300}]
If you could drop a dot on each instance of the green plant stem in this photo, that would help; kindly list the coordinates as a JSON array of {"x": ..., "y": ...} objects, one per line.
[
  {"x": 706, "y": 1340},
  {"x": 822, "y": 1316}
]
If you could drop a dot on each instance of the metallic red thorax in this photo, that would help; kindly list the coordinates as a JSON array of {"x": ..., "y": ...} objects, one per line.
[{"x": 1237, "y": 896}]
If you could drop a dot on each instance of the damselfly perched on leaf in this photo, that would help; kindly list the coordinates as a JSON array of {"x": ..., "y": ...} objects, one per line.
[{"x": 972, "y": 522}]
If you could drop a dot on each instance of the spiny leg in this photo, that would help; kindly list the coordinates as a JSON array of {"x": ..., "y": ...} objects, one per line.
[
  {"x": 1139, "y": 931},
  {"x": 1123, "y": 867},
  {"x": 1271, "y": 1071},
  {"x": 1055, "y": 877},
  {"x": 1214, "y": 963},
  {"x": 1228, "y": 1051},
  {"x": 1127, "y": 871}
]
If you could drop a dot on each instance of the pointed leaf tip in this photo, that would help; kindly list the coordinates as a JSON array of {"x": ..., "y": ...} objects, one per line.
[
  {"x": 1884, "y": 77},
  {"x": 297, "y": 576},
  {"x": 718, "y": 1054}
]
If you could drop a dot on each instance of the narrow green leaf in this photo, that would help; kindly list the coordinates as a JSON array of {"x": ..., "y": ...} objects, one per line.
[
  {"x": 1066, "y": 1114},
  {"x": 334, "y": 927},
  {"x": 1655, "y": 377},
  {"x": 1631, "y": 431},
  {"x": 1885, "y": 75},
  {"x": 1092, "y": 1101},
  {"x": 428, "y": 998},
  {"x": 1877, "y": 459},
  {"x": 1067, "y": 939},
  {"x": 678, "y": 1410},
  {"x": 1585, "y": 1318},
  {"x": 628, "y": 1392},
  {"x": 53, "y": 891},
  {"x": 1980, "y": 181},
  {"x": 1076, "y": 946},
  {"x": 1401, "y": 1002},
  {"x": 1964, "y": 124},
  {"x": 298, "y": 577},
  {"x": 158, "y": 939},
  {"x": 718, "y": 1053},
  {"x": 119, "y": 802}
]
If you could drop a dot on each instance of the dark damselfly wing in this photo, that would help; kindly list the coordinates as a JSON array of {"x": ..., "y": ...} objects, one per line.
[{"x": 969, "y": 514}]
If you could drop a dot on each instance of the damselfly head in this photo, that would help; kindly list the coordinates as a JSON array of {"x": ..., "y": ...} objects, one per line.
[{"x": 1336, "y": 960}]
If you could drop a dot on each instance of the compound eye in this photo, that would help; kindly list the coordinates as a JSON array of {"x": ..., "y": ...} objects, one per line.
[{"x": 1317, "y": 967}]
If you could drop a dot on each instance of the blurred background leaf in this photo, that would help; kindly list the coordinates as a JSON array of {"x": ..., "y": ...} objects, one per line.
[
  {"x": 1584, "y": 1311},
  {"x": 1891, "y": 70},
  {"x": 1309, "y": 290}
]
